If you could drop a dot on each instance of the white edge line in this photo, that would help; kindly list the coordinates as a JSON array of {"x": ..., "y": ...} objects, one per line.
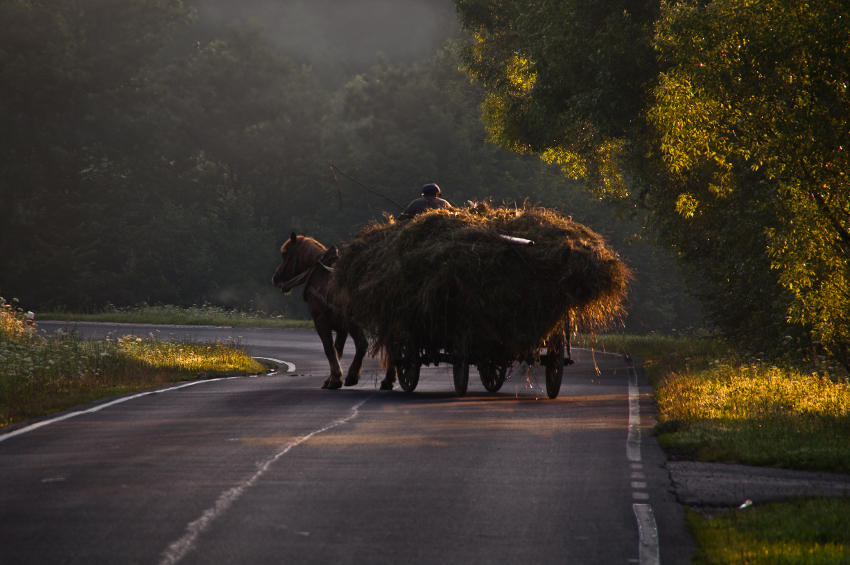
[
  {"x": 633, "y": 441},
  {"x": 31, "y": 427},
  {"x": 290, "y": 367},
  {"x": 97, "y": 408},
  {"x": 647, "y": 529}
]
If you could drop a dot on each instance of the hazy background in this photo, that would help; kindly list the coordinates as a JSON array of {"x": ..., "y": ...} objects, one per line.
[{"x": 338, "y": 39}]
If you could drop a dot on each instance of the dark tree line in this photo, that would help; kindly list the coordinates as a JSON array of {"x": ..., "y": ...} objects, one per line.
[{"x": 128, "y": 177}]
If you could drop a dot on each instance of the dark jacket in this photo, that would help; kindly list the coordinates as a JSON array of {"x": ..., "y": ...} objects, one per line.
[{"x": 421, "y": 204}]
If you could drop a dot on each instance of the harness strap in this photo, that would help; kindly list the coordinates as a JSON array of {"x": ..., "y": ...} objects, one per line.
[
  {"x": 314, "y": 272},
  {"x": 308, "y": 277},
  {"x": 297, "y": 280}
]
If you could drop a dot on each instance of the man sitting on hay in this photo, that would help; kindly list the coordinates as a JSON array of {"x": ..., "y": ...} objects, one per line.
[{"x": 430, "y": 199}]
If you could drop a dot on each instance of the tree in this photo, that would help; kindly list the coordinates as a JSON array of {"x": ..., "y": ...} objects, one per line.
[
  {"x": 729, "y": 138},
  {"x": 760, "y": 115},
  {"x": 74, "y": 87},
  {"x": 127, "y": 176},
  {"x": 565, "y": 78}
]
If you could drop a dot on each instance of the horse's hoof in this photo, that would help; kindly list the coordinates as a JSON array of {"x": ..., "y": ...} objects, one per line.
[
  {"x": 332, "y": 385},
  {"x": 386, "y": 386},
  {"x": 351, "y": 381},
  {"x": 325, "y": 384}
]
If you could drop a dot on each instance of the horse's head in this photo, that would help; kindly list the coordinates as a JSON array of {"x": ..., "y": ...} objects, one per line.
[{"x": 297, "y": 255}]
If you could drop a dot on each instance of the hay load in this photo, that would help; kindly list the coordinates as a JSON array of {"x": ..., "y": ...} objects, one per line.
[{"x": 449, "y": 275}]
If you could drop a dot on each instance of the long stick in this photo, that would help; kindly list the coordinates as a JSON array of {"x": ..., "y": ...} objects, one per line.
[
  {"x": 364, "y": 186},
  {"x": 338, "y": 189}
]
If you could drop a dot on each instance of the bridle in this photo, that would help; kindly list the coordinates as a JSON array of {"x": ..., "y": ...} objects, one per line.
[
  {"x": 291, "y": 283},
  {"x": 308, "y": 277},
  {"x": 295, "y": 265}
]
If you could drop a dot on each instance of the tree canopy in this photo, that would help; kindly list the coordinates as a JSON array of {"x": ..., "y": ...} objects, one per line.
[
  {"x": 756, "y": 94},
  {"x": 725, "y": 121}
]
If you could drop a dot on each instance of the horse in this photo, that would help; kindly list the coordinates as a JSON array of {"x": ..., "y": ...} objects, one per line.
[{"x": 306, "y": 261}]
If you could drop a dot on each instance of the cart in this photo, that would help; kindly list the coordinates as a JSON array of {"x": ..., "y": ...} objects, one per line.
[
  {"x": 484, "y": 286},
  {"x": 410, "y": 354}
]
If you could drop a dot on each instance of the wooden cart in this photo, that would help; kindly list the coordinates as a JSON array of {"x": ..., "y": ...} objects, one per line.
[{"x": 410, "y": 354}]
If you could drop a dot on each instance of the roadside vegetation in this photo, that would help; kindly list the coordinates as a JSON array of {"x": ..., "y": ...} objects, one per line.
[
  {"x": 201, "y": 315},
  {"x": 716, "y": 403},
  {"x": 41, "y": 375},
  {"x": 803, "y": 532}
]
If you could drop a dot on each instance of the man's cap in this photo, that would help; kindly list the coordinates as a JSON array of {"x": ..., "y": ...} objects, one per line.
[{"x": 431, "y": 189}]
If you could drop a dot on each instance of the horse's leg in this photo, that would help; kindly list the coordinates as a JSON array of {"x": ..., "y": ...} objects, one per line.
[
  {"x": 389, "y": 380},
  {"x": 339, "y": 342},
  {"x": 324, "y": 330},
  {"x": 361, "y": 344}
]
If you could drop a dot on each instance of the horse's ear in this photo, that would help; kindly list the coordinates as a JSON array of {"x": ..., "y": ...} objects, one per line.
[{"x": 293, "y": 238}]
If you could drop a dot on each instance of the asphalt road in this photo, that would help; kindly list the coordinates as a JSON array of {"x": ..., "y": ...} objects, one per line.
[{"x": 273, "y": 469}]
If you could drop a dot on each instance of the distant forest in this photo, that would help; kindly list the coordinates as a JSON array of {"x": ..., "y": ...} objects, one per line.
[{"x": 159, "y": 152}]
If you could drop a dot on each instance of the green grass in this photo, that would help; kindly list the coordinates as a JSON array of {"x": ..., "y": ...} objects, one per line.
[
  {"x": 203, "y": 315},
  {"x": 803, "y": 532},
  {"x": 715, "y": 404},
  {"x": 41, "y": 375}
]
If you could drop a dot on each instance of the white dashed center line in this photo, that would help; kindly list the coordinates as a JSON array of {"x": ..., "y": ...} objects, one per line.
[{"x": 178, "y": 549}]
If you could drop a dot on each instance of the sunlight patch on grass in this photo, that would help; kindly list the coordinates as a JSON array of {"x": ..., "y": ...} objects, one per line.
[
  {"x": 756, "y": 391},
  {"x": 758, "y": 414},
  {"x": 715, "y": 404}
]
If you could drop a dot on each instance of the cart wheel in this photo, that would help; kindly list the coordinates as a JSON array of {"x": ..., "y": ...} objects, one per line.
[
  {"x": 493, "y": 375},
  {"x": 408, "y": 370},
  {"x": 460, "y": 370},
  {"x": 555, "y": 367}
]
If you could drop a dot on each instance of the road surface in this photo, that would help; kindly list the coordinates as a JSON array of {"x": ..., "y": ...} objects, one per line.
[{"x": 275, "y": 470}]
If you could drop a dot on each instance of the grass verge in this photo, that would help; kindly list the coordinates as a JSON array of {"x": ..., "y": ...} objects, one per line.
[
  {"x": 203, "y": 315},
  {"x": 42, "y": 375},
  {"x": 716, "y": 404},
  {"x": 803, "y": 532}
]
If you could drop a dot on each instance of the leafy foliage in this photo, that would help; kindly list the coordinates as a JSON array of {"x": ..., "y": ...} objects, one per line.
[
  {"x": 565, "y": 77},
  {"x": 726, "y": 121},
  {"x": 757, "y": 114}
]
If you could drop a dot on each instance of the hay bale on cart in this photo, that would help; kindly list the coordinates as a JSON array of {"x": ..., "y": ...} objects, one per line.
[{"x": 453, "y": 280}]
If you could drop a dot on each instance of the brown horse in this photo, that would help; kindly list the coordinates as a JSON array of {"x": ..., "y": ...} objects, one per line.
[{"x": 306, "y": 261}]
